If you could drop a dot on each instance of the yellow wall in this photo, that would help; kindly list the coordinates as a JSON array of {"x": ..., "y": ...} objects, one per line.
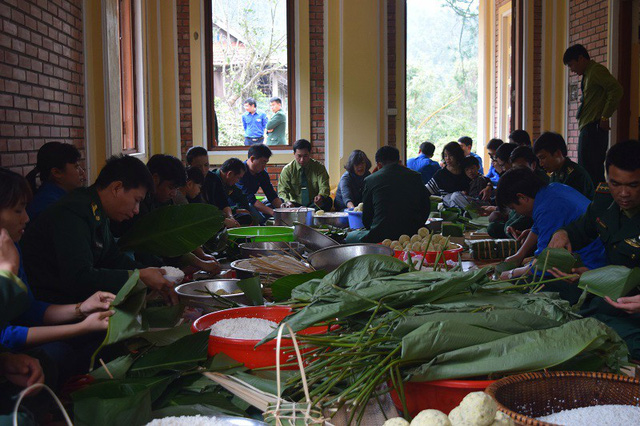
[
  {"x": 354, "y": 86},
  {"x": 554, "y": 73}
]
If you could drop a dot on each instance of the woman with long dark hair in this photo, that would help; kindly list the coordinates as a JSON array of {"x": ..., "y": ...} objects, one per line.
[
  {"x": 349, "y": 193},
  {"x": 59, "y": 172},
  {"x": 44, "y": 325},
  {"x": 451, "y": 178}
]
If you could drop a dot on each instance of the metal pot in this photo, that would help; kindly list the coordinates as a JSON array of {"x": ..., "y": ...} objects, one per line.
[
  {"x": 330, "y": 258},
  {"x": 190, "y": 295},
  {"x": 337, "y": 219},
  {"x": 288, "y": 216},
  {"x": 312, "y": 239},
  {"x": 248, "y": 250}
]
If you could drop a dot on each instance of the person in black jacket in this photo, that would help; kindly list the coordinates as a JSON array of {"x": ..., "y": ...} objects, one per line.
[{"x": 349, "y": 193}]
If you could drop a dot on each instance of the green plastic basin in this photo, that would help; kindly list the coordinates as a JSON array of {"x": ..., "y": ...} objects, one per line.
[{"x": 261, "y": 233}]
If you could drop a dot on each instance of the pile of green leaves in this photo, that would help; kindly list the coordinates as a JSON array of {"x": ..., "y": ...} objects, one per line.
[{"x": 397, "y": 325}]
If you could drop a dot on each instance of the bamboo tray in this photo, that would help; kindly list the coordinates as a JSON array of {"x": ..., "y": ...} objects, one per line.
[{"x": 527, "y": 396}]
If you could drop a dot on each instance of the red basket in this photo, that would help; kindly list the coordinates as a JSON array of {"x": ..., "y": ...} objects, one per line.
[
  {"x": 451, "y": 254},
  {"x": 244, "y": 351},
  {"x": 443, "y": 395}
]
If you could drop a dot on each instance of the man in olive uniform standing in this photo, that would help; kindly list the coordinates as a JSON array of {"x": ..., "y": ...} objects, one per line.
[
  {"x": 277, "y": 124},
  {"x": 395, "y": 201},
  {"x": 69, "y": 250},
  {"x": 614, "y": 217},
  {"x": 601, "y": 94}
]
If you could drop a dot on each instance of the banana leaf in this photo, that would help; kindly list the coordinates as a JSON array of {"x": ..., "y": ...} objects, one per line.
[
  {"x": 163, "y": 316},
  {"x": 112, "y": 403},
  {"x": 452, "y": 229},
  {"x": 214, "y": 400},
  {"x": 184, "y": 352},
  {"x": 252, "y": 290},
  {"x": 555, "y": 258},
  {"x": 282, "y": 287},
  {"x": 398, "y": 291},
  {"x": 118, "y": 368},
  {"x": 172, "y": 231},
  {"x": 522, "y": 352},
  {"x": 613, "y": 281},
  {"x": 166, "y": 337},
  {"x": 127, "y": 321},
  {"x": 505, "y": 266}
]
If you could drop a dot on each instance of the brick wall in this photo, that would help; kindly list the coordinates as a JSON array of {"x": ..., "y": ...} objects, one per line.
[
  {"x": 41, "y": 78},
  {"x": 391, "y": 71},
  {"x": 316, "y": 58},
  {"x": 587, "y": 26},
  {"x": 184, "y": 73}
]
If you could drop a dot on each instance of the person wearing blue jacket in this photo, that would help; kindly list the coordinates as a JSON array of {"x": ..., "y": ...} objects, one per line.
[
  {"x": 423, "y": 163},
  {"x": 59, "y": 172},
  {"x": 492, "y": 147},
  {"x": 254, "y": 123},
  {"x": 42, "y": 324},
  {"x": 551, "y": 206}
]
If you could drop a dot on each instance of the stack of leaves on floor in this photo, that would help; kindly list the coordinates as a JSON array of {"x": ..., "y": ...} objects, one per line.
[{"x": 397, "y": 324}]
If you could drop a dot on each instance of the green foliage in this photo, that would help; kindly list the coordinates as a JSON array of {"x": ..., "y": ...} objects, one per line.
[
  {"x": 613, "y": 281},
  {"x": 172, "y": 231}
]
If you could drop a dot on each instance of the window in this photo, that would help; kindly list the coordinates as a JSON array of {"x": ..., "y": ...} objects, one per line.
[
  {"x": 127, "y": 76},
  {"x": 249, "y": 53}
]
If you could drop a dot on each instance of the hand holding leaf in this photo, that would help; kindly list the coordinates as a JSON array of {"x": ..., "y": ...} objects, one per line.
[{"x": 99, "y": 301}]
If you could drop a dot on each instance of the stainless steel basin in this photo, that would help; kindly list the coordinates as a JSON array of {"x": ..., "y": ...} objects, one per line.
[
  {"x": 190, "y": 293},
  {"x": 330, "y": 258},
  {"x": 311, "y": 238},
  {"x": 248, "y": 250}
]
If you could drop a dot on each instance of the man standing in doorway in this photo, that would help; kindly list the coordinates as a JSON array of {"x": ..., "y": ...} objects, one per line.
[
  {"x": 601, "y": 94},
  {"x": 277, "y": 124},
  {"x": 254, "y": 123}
]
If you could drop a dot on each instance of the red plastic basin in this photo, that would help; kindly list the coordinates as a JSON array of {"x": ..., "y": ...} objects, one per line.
[
  {"x": 451, "y": 254},
  {"x": 243, "y": 350},
  {"x": 443, "y": 395}
]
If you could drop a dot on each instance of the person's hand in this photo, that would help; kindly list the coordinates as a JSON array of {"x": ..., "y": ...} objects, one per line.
[
  {"x": 604, "y": 124},
  {"x": 207, "y": 257},
  {"x": 571, "y": 278},
  {"x": 519, "y": 236},
  {"x": 99, "y": 301},
  {"x": 231, "y": 223},
  {"x": 242, "y": 211},
  {"x": 487, "y": 210},
  {"x": 97, "y": 321},
  {"x": 560, "y": 240},
  {"x": 271, "y": 130},
  {"x": 21, "y": 370},
  {"x": 485, "y": 194},
  {"x": 317, "y": 199},
  {"x": 9, "y": 257},
  {"x": 630, "y": 305},
  {"x": 154, "y": 279},
  {"x": 210, "y": 266}
]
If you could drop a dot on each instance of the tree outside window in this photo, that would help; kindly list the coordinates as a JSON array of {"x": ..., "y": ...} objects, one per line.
[{"x": 249, "y": 55}]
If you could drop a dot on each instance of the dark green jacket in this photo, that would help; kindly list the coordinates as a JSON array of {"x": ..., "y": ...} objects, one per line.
[
  {"x": 279, "y": 125},
  {"x": 605, "y": 220},
  {"x": 70, "y": 253},
  {"x": 395, "y": 201},
  {"x": 575, "y": 176}
]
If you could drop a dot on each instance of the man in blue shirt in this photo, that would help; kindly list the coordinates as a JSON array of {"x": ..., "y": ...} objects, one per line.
[
  {"x": 254, "y": 123},
  {"x": 466, "y": 143},
  {"x": 423, "y": 163},
  {"x": 256, "y": 177},
  {"x": 492, "y": 147},
  {"x": 552, "y": 206}
]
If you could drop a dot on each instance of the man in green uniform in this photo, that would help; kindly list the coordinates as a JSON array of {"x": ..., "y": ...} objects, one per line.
[
  {"x": 601, "y": 94},
  {"x": 69, "y": 251},
  {"x": 277, "y": 124},
  {"x": 395, "y": 201},
  {"x": 305, "y": 181},
  {"x": 614, "y": 217},
  {"x": 551, "y": 150}
]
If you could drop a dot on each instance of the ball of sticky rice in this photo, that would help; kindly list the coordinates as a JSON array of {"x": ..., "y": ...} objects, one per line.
[
  {"x": 431, "y": 418},
  {"x": 172, "y": 274}
]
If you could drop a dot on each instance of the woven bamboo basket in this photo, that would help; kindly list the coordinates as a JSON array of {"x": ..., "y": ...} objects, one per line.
[{"x": 527, "y": 396}]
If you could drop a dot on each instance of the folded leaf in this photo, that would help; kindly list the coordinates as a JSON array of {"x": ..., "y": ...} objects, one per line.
[
  {"x": 555, "y": 258},
  {"x": 118, "y": 368},
  {"x": 112, "y": 403},
  {"x": 252, "y": 290},
  {"x": 172, "y": 231},
  {"x": 613, "y": 281},
  {"x": 282, "y": 287},
  {"x": 189, "y": 349}
]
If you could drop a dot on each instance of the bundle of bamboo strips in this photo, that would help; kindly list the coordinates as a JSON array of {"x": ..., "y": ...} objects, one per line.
[{"x": 278, "y": 264}]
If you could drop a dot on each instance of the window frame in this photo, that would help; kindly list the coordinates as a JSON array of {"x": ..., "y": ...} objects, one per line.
[
  {"x": 210, "y": 143},
  {"x": 128, "y": 94}
]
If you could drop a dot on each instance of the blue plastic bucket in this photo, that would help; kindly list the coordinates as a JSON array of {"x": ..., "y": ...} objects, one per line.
[{"x": 355, "y": 220}]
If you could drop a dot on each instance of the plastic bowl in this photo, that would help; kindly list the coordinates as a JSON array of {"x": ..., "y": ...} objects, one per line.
[
  {"x": 355, "y": 220},
  {"x": 443, "y": 395},
  {"x": 244, "y": 351},
  {"x": 249, "y": 234},
  {"x": 451, "y": 254}
]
